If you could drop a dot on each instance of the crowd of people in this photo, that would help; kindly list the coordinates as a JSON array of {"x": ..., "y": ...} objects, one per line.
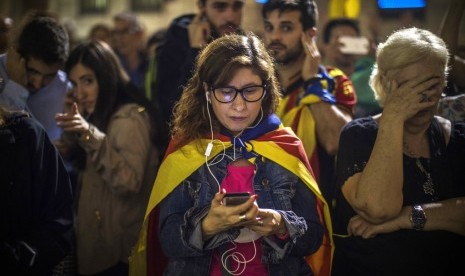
[{"x": 210, "y": 150}]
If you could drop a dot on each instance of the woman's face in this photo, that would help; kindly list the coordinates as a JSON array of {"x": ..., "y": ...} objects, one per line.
[
  {"x": 428, "y": 70},
  {"x": 85, "y": 87},
  {"x": 238, "y": 114}
]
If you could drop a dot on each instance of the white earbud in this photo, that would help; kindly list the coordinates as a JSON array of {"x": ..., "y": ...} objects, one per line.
[{"x": 207, "y": 96}]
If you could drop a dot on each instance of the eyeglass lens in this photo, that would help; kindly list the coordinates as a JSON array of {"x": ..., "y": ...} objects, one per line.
[{"x": 228, "y": 94}]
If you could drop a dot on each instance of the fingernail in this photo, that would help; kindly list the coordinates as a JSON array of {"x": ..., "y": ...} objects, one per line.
[
  {"x": 255, "y": 196},
  {"x": 223, "y": 190}
]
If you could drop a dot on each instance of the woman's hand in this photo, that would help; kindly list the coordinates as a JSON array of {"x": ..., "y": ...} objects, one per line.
[
  {"x": 221, "y": 218},
  {"x": 69, "y": 100},
  {"x": 72, "y": 121},
  {"x": 269, "y": 222},
  {"x": 408, "y": 98},
  {"x": 359, "y": 227}
]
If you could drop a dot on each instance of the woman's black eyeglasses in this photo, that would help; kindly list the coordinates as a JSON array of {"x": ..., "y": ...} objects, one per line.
[{"x": 228, "y": 94}]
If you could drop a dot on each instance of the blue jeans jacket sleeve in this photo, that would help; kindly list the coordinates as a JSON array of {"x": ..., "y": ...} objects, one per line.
[{"x": 181, "y": 215}]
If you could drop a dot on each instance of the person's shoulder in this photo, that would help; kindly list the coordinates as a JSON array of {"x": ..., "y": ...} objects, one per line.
[
  {"x": 177, "y": 35},
  {"x": 364, "y": 62},
  {"x": 15, "y": 118},
  {"x": 360, "y": 125},
  {"x": 29, "y": 122},
  {"x": 335, "y": 72},
  {"x": 454, "y": 132},
  {"x": 129, "y": 110},
  {"x": 57, "y": 87},
  {"x": 445, "y": 124},
  {"x": 24, "y": 125},
  {"x": 457, "y": 127},
  {"x": 182, "y": 21}
]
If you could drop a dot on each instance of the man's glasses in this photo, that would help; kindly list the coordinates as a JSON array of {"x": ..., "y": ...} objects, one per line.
[{"x": 228, "y": 94}]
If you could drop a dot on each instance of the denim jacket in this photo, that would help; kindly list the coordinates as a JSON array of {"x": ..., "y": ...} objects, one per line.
[{"x": 182, "y": 211}]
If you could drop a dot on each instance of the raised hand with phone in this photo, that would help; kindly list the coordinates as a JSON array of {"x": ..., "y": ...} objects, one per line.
[
  {"x": 352, "y": 45},
  {"x": 199, "y": 31},
  {"x": 346, "y": 48}
]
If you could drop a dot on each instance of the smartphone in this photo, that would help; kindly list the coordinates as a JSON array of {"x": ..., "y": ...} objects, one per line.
[
  {"x": 231, "y": 199},
  {"x": 353, "y": 45}
]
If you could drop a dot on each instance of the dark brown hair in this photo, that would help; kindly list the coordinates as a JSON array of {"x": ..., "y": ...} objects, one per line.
[{"x": 216, "y": 65}]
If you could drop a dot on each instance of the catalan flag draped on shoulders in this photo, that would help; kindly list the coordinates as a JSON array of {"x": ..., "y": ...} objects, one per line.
[
  {"x": 270, "y": 140},
  {"x": 331, "y": 86}
]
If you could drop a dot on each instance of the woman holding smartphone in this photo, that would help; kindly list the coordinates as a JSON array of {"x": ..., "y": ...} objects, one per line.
[{"x": 226, "y": 138}]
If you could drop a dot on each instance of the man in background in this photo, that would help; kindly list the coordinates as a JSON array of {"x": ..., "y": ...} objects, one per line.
[
  {"x": 129, "y": 45},
  {"x": 317, "y": 101},
  {"x": 184, "y": 38},
  {"x": 32, "y": 78}
]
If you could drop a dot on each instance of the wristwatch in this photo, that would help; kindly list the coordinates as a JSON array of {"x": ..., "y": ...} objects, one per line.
[{"x": 418, "y": 217}]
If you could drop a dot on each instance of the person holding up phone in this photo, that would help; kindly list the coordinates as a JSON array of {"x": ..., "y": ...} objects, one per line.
[
  {"x": 226, "y": 139},
  {"x": 184, "y": 38},
  {"x": 345, "y": 48}
]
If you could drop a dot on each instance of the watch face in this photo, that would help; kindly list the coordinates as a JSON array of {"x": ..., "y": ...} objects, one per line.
[{"x": 418, "y": 218}]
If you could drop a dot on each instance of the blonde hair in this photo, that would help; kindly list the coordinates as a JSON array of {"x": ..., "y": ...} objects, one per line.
[{"x": 403, "y": 48}]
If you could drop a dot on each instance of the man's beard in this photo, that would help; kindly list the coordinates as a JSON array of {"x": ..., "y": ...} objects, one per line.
[
  {"x": 286, "y": 56},
  {"x": 216, "y": 32}
]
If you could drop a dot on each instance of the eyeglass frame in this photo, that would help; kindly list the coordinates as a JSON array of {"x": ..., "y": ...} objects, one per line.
[{"x": 239, "y": 91}]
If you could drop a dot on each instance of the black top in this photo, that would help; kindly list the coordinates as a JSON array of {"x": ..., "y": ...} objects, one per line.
[
  {"x": 35, "y": 199},
  {"x": 404, "y": 252}
]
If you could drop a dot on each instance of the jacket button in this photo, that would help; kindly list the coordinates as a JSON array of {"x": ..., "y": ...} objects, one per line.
[{"x": 265, "y": 182}]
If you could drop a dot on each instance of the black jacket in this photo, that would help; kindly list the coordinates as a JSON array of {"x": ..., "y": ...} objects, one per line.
[
  {"x": 35, "y": 200},
  {"x": 175, "y": 63}
]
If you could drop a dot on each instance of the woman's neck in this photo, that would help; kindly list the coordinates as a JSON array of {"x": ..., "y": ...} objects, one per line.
[{"x": 416, "y": 144}]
